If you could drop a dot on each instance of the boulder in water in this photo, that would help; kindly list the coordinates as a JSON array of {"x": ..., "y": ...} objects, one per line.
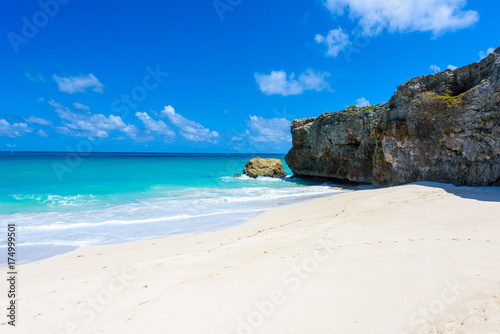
[{"x": 264, "y": 167}]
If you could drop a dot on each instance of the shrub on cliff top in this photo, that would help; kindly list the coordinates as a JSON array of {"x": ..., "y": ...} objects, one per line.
[{"x": 352, "y": 109}]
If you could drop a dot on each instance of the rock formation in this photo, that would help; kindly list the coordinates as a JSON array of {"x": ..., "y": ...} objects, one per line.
[
  {"x": 443, "y": 127},
  {"x": 264, "y": 167}
]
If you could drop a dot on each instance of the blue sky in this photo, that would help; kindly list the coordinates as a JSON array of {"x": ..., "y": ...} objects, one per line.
[{"x": 215, "y": 76}]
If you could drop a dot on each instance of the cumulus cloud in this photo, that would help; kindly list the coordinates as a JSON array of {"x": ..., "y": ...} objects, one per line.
[
  {"x": 277, "y": 82},
  {"x": 436, "y": 16},
  {"x": 484, "y": 54},
  {"x": 41, "y": 133},
  {"x": 81, "y": 106},
  {"x": 88, "y": 124},
  {"x": 14, "y": 130},
  {"x": 78, "y": 84},
  {"x": 362, "y": 102},
  {"x": 167, "y": 110},
  {"x": 274, "y": 130},
  {"x": 36, "y": 120},
  {"x": 435, "y": 68},
  {"x": 336, "y": 40},
  {"x": 451, "y": 67},
  {"x": 65, "y": 131},
  {"x": 191, "y": 130},
  {"x": 157, "y": 127}
]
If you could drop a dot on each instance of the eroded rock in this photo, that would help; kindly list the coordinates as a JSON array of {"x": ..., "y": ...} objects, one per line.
[
  {"x": 264, "y": 167},
  {"x": 443, "y": 127}
]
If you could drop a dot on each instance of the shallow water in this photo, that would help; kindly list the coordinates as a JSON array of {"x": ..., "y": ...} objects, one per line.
[{"x": 59, "y": 205}]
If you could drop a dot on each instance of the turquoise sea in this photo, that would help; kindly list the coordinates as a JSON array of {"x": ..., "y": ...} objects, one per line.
[{"x": 62, "y": 201}]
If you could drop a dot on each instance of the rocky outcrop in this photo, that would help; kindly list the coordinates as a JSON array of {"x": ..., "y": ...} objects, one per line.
[
  {"x": 443, "y": 127},
  {"x": 264, "y": 167}
]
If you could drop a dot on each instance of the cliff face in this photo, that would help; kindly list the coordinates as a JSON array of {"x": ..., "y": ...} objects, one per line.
[{"x": 443, "y": 127}]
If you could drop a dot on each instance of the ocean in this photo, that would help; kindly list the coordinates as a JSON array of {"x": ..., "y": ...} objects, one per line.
[{"x": 60, "y": 202}]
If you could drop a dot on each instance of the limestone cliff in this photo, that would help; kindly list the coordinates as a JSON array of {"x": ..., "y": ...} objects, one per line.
[{"x": 443, "y": 127}]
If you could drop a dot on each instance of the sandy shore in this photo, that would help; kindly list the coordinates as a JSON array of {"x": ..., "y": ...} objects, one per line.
[{"x": 420, "y": 258}]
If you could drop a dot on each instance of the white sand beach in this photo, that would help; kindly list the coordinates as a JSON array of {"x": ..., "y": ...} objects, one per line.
[{"x": 418, "y": 258}]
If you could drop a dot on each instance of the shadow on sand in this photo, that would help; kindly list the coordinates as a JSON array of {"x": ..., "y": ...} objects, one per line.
[{"x": 485, "y": 194}]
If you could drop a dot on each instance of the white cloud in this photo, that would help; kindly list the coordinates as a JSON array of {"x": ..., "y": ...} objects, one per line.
[
  {"x": 274, "y": 130},
  {"x": 191, "y": 130},
  {"x": 90, "y": 125},
  {"x": 167, "y": 110},
  {"x": 36, "y": 120},
  {"x": 35, "y": 77},
  {"x": 11, "y": 145},
  {"x": 436, "y": 16},
  {"x": 65, "y": 131},
  {"x": 14, "y": 130},
  {"x": 277, "y": 82},
  {"x": 435, "y": 68},
  {"x": 41, "y": 133},
  {"x": 451, "y": 67},
  {"x": 336, "y": 40},
  {"x": 484, "y": 54},
  {"x": 78, "y": 84},
  {"x": 158, "y": 127},
  {"x": 362, "y": 102},
  {"x": 132, "y": 132},
  {"x": 81, "y": 106}
]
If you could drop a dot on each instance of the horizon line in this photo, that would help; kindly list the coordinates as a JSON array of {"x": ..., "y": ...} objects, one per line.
[{"x": 88, "y": 153}]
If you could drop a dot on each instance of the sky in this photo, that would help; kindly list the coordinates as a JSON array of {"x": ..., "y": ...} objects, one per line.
[{"x": 215, "y": 76}]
